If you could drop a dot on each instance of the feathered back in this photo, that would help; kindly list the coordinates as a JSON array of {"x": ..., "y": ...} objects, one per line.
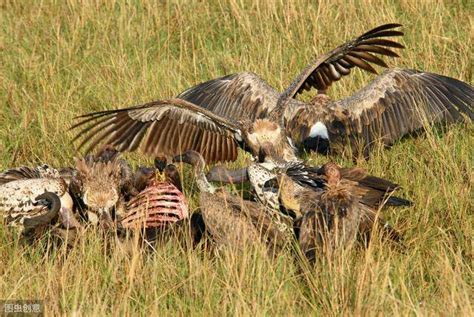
[
  {"x": 98, "y": 172},
  {"x": 25, "y": 172}
]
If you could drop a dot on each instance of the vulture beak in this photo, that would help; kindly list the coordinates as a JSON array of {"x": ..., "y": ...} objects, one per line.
[
  {"x": 105, "y": 218},
  {"x": 160, "y": 163}
]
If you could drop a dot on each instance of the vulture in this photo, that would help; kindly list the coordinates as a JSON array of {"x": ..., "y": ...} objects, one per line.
[
  {"x": 396, "y": 103},
  {"x": 34, "y": 197},
  {"x": 103, "y": 182},
  {"x": 241, "y": 110},
  {"x": 169, "y": 127},
  {"x": 231, "y": 221},
  {"x": 296, "y": 177},
  {"x": 99, "y": 184},
  {"x": 335, "y": 206}
]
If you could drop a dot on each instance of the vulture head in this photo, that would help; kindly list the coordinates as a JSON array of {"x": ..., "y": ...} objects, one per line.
[
  {"x": 100, "y": 188},
  {"x": 266, "y": 138},
  {"x": 160, "y": 163},
  {"x": 193, "y": 158}
]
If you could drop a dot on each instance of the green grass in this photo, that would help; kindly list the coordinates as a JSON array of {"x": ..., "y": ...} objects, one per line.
[{"x": 60, "y": 59}]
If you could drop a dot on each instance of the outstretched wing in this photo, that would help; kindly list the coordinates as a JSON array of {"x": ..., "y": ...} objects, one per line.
[
  {"x": 167, "y": 127},
  {"x": 332, "y": 66},
  {"x": 396, "y": 103},
  {"x": 236, "y": 96}
]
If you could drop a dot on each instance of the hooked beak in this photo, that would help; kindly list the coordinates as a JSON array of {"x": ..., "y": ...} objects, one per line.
[
  {"x": 105, "y": 218},
  {"x": 160, "y": 163}
]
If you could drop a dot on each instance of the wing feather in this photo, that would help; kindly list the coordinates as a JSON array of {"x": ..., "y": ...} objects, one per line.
[
  {"x": 351, "y": 54},
  {"x": 237, "y": 96},
  {"x": 399, "y": 102},
  {"x": 161, "y": 128}
]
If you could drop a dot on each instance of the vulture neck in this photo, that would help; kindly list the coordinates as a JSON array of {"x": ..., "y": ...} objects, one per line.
[{"x": 201, "y": 180}]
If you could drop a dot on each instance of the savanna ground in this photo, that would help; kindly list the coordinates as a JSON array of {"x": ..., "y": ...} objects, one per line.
[{"x": 60, "y": 59}]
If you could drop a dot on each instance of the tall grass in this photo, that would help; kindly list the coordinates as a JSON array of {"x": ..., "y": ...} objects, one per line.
[{"x": 60, "y": 59}]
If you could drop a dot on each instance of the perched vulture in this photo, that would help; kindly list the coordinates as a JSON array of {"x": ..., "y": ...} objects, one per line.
[
  {"x": 31, "y": 197},
  {"x": 99, "y": 184},
  {"x": 241, "y": 110},
  {"x": 336, "y": 207},
  {"x": 231, "y": 221}
]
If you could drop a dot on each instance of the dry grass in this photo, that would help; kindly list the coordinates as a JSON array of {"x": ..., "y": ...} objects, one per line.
[{"x": 59, "y": 59}]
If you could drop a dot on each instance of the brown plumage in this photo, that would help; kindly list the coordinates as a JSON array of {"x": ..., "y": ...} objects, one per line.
[
  {"x": 168, "y": 127},
  {"x": 160, "y": 163},
  {"x": 42, "y": 171},
  {"x": 396, "y": 103},
  {"x": 372, "y": 191},
  {"x": 99, "y": 185},
  {"x": 162, "y": 128},
  {"x": 142, "y": 177},
  {"x": 231, "y": 221},
  {"x": 216, "y": 117},
  {"x": 338, "y": 210},
  {"x": 172, "y": 176}
]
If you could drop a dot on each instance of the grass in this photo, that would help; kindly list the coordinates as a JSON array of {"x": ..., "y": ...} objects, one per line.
[{"x": 60, "y": 59}]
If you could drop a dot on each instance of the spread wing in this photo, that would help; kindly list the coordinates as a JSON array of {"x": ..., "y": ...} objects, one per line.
[
  {"x": 167, "y": 127},
  {"x": 396, "y": 103},
  {"x": 332, "y": 66},
  {"x": 236, "y": 96}
]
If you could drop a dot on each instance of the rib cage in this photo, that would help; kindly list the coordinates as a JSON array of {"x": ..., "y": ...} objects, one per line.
[{"x": 158, "y": 205}]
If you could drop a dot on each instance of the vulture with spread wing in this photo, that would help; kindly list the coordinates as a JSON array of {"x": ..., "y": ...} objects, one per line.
[
  {"x": 397, "y": 102},
  {"x": 216, "y": 117},
  {"x": 172, "y": 126}
]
